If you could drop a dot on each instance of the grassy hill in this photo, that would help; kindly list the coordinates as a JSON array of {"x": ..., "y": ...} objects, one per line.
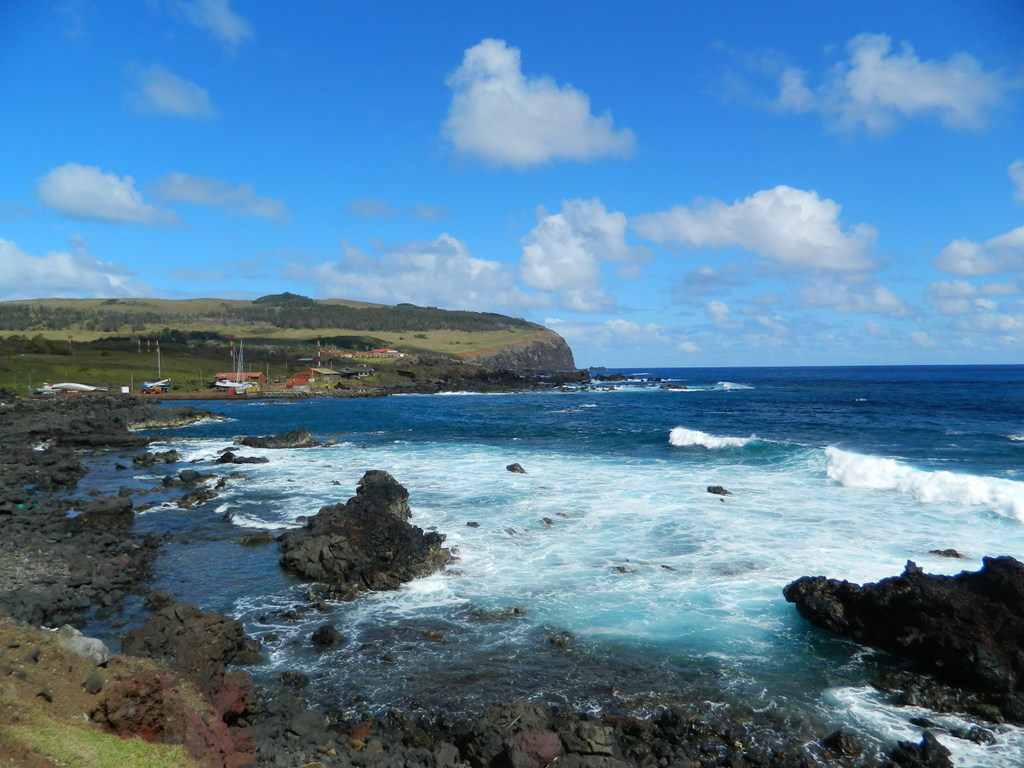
[{"x": 112, "y": 342}]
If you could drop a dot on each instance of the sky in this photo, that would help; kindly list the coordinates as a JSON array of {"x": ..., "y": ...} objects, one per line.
[{"x": 662, "y": 183}]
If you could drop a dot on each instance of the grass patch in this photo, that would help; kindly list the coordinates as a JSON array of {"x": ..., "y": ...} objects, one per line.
[{"x": 84, "y": 747}]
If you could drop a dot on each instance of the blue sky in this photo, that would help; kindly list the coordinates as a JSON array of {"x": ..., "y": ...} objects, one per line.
[{"x": 663, "y": 183}]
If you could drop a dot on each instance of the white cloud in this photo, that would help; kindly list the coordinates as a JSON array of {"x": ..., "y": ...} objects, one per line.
[
  {"x": 563, "y": 254},
  {"x": 74, "y": 273},
  {"x": 991, "y": 322},
  {"x": 85, "y": 192},
  {"x": 240, "y": 199},
  {"x": 218, "y": 18},
  {"x": 962, "y": 288},
  {"x": 1016, "y": 172},
  {"x": 922, "y": 339},
  {"x": 877, "y": 87},
  {"x": 792, "y": 226},
  {"x": 611, "y": 334},
  {"x": 1001, "y": 254},
  {"x": 161, "y": 92},
  {"x": 437, "y": 273},
  {"x": 506, "y": 119},
  {"x": 719, "y": 313},
  {"x": 959, "y": 297},
  {"x": 370, "y": 208},
  {"x": 867, "y": 297}
]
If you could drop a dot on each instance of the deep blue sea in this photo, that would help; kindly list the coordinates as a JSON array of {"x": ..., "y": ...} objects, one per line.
[{"x": 633, "y": 586}]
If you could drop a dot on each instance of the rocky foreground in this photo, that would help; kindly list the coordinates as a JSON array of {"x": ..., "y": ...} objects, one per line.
[{"x": 179, "y": 683}]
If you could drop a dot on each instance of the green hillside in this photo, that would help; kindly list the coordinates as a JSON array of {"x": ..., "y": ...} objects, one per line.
[{"x": 112, "y": 342}]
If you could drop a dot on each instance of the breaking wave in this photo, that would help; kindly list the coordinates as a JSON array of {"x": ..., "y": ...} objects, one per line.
[
  {"x": 680, "y": 436},
  {"x": 853, "y": 470}
]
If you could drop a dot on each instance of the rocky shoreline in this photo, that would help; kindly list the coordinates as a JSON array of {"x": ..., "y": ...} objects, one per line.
[{"x": 64, "y": 560}]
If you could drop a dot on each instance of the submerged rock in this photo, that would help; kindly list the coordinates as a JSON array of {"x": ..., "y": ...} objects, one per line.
[{"x": 365, "y": 543}]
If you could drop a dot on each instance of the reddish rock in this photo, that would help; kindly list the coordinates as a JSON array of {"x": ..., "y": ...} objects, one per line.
[
  {"x": 162, "y": 709},
  {"x": 530, "y": 749}
]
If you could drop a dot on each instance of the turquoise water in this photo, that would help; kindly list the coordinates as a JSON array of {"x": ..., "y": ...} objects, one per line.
[{"x": 641, "y": 588}]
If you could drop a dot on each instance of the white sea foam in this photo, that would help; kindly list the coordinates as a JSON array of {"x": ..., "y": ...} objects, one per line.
[
  {"x": 728, "y": 385},
  {"x": 680, "y": 436},
  {"x": 638, "y": 553},
  {"x": 1016, "y": 438},
  {"x": 854, "y": 470},
  {"x": 890, "y": 724}
]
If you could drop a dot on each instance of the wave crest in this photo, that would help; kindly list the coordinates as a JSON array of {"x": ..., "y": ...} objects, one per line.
[
  {"x": 853, "y": 470},
  {"x": 680, "y": 436},
  {"x": 729, "y": 385}
]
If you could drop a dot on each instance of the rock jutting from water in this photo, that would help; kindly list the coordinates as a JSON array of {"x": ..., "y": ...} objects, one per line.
[
  {"x": 965, "y": 630},
  {"x": 365, "y": 543},
  {"x": 297, "y": 438}
]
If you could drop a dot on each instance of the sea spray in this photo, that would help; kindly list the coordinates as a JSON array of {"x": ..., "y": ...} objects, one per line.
[
  {"x": 853, "y": 470},
  {"x": 680, "y": 436}
]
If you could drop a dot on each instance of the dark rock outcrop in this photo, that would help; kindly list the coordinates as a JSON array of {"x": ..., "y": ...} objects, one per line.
[
  {"x": 365, "y": 543},
  {"x": 967, "y": 630},
  {"x": 91, "y": 421},
  {"x": 297, "y": 438},
  {"x": 229, "y": 457},
  {"x": 201, "y": 644}
]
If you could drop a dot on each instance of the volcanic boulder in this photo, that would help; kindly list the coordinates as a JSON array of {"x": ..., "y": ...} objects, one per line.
[
  {"x": 967, "y": 630},
  {"x": 297, "y": 438},
  {"x": 365, "y": 543}
]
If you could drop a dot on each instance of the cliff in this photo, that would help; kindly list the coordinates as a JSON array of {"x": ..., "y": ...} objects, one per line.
[{"x": 542, "y": 353}]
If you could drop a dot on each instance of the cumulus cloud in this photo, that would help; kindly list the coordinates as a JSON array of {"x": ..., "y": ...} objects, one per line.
[
  {"x": 959, "y": 297},
  {"x": 161, "y": 92},
  {"x": 371, "y": 208},
  {"x": 72, "y": 273},
  {"x": 563, "y": 253},
  {"x": 85, "y": 192},
  {"x": 719, "y": 314},
  {"x": 864, "y": 297},
  {"x": 1001, "y": 254},
  {"x": 1016, "y": 172},
  {"x": 436, "y": 273},
  {"x": 219, "y": 19},
  {"x": 506, "y": 119},
  {"x": 239, "y": 199},
  {"x": 877, "y": 87},
  {"x": 794, "y": 227}
]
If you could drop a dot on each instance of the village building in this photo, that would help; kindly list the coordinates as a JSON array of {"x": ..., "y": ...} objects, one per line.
[
  {"x": 258, "y": 377},
  {"x": 327, "y": 376}
]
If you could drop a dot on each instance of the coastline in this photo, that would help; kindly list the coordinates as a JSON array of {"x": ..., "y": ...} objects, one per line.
[{"x": 42, "y": 451}]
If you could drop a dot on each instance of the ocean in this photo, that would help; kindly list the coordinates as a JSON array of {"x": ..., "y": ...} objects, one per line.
[{"x": 607, "y": 576}]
